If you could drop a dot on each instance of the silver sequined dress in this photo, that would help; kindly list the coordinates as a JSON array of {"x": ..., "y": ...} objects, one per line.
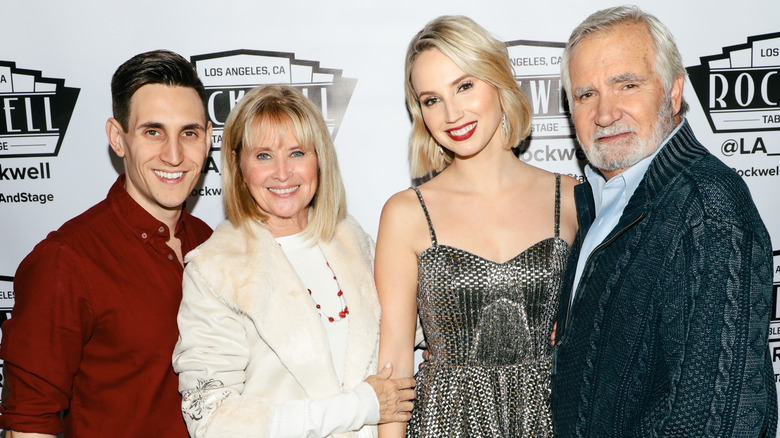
[{"x": 488, "y": 326}]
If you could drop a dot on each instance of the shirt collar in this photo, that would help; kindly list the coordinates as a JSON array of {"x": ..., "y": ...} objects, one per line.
[{"x": 141, "y": 223}]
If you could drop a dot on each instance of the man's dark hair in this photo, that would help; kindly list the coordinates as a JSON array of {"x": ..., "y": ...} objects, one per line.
[{"x": 155, "y": 67}]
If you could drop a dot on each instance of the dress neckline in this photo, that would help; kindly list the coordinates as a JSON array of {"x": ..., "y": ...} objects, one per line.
[
  {"x": 435, "y": 243},
  {"x": 519, "y": 255}
]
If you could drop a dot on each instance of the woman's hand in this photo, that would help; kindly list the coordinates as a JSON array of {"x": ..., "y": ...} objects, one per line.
[{"x": 395, "y": 395}]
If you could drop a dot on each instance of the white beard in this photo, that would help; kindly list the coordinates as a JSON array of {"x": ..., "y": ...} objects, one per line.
[{"x": 634, "y": 149}]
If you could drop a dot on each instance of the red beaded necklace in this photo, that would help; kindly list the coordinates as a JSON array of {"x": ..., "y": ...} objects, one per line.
[{"x": 344, "y": 309}]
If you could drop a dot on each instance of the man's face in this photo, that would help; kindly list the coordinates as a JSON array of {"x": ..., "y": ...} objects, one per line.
[
  {"x": 165, "y": 146},
  {"x": 620, "y": 109}
]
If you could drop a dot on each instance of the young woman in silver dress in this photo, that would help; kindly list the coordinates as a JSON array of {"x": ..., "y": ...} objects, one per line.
[{"x": 478, "y": 252}]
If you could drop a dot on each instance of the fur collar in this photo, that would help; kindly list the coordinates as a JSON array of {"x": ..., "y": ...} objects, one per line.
[{"x": 253, "y": 277}]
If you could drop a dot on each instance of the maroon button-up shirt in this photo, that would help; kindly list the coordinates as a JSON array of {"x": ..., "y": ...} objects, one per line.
[{"x": 94, "y": 326}]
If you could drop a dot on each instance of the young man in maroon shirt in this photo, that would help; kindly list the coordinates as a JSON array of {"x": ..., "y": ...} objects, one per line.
[{"x": 88, "y": 347}]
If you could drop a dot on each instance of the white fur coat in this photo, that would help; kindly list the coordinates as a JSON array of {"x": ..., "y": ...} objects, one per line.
[{"x": 251, "y": 337}]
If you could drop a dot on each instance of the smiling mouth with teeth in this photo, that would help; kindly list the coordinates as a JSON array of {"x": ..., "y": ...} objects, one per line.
[
  {"x": 463, "y": 132},
  {"x": 284, "y": 191},
  {"x": 168, "y": 175}
]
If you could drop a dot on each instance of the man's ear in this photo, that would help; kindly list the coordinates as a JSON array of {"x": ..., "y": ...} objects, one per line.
[
  {"x": 209, "y": 137},
  {"x": 114, "y": 133},
  {"x": 677, "y": 92}
]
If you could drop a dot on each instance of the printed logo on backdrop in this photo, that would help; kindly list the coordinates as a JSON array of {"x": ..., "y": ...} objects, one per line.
[
  {"x": 774, "y": 324},
  {"x": 227, "y": 76},
  {"x": 739, "y": 89},
  {"x": 6, "y": 304},
  {"x": 537, "y": 67},
  {"x": 34, "y": 115},
  {"x": 754, "y": 146},
  {"x": 538, "y": 72}
]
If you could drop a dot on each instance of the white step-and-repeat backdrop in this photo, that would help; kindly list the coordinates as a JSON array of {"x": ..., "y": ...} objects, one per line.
[{"x": 57, "y": 58}]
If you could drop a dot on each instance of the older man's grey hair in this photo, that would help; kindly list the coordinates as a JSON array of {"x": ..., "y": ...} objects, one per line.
[{"x": 668, "y": 61}]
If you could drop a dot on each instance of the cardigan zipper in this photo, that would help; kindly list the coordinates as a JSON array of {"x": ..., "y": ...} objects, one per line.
[{"x": 568, "y": 307}]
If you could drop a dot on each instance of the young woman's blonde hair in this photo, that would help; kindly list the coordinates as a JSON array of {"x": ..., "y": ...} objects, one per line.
[
  {"x": 478, "y": 54},
  {"x": 272, "y": 109}
]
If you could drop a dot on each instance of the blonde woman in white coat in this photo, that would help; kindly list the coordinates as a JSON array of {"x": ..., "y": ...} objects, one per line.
[{"x": 279, "y": 319}]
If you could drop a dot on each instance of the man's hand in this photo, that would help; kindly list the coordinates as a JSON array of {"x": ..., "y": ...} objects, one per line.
[{"x": 427, "y": 356}]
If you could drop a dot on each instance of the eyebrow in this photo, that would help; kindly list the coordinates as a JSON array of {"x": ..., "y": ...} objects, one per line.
[
  {"x": 619, "y": 79},
  {"x": 158, "y": 125},
  {"x": 193, "y": 126},
  {"x": 453, "y": 83},
  {"x": 155, "y": 125},
  {"x": 256, "y": 149},
  {"x": 626, "y": 77}
]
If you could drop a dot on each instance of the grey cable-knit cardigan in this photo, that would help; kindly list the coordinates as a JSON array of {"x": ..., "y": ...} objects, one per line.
[{"x": 667, "y": 334}]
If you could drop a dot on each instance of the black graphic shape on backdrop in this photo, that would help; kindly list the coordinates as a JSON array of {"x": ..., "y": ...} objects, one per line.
[
  {"x": 34, "y": 112},
  {"x": 739, "y": 90}
]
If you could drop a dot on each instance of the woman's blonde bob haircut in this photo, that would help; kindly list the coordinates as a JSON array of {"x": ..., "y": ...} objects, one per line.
[
  {"x": 270, "y": 110},
  {"x": 478, "y": 54}
]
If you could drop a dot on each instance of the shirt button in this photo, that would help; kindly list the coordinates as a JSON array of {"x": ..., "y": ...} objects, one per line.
[
  {"x": 143, "y": 235},
  {"x": 170, "y": 256},
  {"x": 161, "y": 229}
]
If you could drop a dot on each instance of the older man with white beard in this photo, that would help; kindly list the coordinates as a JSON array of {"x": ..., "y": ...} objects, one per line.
[{"x": 663, "y": 324}]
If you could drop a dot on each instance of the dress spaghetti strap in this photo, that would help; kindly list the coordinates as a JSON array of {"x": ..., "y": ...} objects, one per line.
[
  {"x": 557, "y": 204},
  {"x": 427, "y": 216}
]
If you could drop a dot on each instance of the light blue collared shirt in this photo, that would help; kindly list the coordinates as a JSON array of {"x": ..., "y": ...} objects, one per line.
[{"x": 610, "y": 198}]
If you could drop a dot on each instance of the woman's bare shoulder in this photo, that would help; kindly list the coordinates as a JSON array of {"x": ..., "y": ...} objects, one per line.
[
  {"x": 568, "y": 182},
  {"x": 545, "y": 177},
  {"x": 401, "y": 203},
  {"x": 403, "y": 223}
]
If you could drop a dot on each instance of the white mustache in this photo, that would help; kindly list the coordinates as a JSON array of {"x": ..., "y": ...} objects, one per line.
[{"x": 608, "y": 131}]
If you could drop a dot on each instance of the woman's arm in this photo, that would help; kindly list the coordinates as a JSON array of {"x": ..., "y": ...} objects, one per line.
[
  {"x": 378, "y": 399},
  {"x": 343, "y": 412},
  {"x": 395, "y": 271},
  {"x": 210, "y": 358}
]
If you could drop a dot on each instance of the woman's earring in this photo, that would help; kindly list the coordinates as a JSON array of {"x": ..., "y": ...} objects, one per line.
[{"x": 503, "y": 121}]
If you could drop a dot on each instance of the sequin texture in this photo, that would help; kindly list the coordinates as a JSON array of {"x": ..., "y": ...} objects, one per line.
[{"x": 488, "y": 326}]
